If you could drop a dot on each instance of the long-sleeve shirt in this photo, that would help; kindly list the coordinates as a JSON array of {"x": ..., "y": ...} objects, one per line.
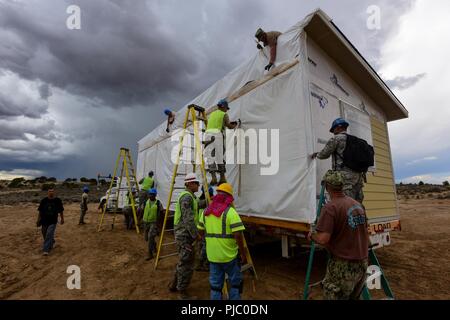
[{"x": 187, "y": 225}]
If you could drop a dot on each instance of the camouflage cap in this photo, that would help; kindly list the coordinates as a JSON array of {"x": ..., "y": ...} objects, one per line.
[
  {"x": 259, "y": 33},
  {"x": 334, "y": 178}
]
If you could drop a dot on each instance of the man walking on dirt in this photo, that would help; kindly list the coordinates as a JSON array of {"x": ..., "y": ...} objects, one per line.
[
  {"x": 342, "y": 229},
  {"x": 153, "y": 210},
  {"x": 84, "y": 205},
  {"x": 49, "y": 208}
]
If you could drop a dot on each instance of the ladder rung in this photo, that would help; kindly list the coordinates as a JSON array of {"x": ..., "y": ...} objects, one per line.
[
  {"x": 169, "y": 230},
  {"x": 169, "y": 243},
  {"x": 246, "y": 267},
  {"x": 168, "y": 255},
  {"x": 178, "y": 188}
]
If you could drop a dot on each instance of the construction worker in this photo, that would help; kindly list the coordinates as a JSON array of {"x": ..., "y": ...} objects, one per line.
[
  {"x": 128, "y": 210},
  {"x": 353, "y": 181},
  {"x": 49, "y": 208},
  {"x": 268, "y": 39},
  {"x": 214, "y": 141},
  {"x": 84, "y": 205},
  {"x": 342, "y": 229},
  {"x": 224, "y": 240},
  {"x": 170, "y": 119},
  {"x": 201, "y": 260},
  {"x": 146, "y": 184},
  {"x": 152, "y": 211},
  {"x": 186, "y": 233}
]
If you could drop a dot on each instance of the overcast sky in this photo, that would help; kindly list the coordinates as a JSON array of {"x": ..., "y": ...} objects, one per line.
[{"x": 69, "y": 99}]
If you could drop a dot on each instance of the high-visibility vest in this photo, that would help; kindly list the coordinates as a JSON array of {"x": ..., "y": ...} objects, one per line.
[
  {"x": 215, "y": 121},
  {"x": 221, "y": 247},
  {"x": 147, "y": 184},
  {"x": 177, "y": 216},
  {"x": 151, "y": 211}
]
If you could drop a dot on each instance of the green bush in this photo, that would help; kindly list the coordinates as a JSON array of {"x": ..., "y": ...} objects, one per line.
[
  {"x": 52, "y": 179},
  {"x": 16, "y": 183},
  {"x": 83, "y": 179},
  {"x": 445, "y": 183},
  {"x": 47, "y": 186}
]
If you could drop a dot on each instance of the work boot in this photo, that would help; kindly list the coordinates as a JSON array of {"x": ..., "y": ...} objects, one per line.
[
  {"x": 184, "y": 295},
  {"x": 149, "y": 257},
  {"x": 222, "y": 178},
  {"x": 173, "y": 284},
  {"x": 213, "y": 179}
]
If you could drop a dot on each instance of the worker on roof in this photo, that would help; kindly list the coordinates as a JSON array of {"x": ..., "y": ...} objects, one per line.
[
  {"x": 84, "y": 204},
  {"x": 186, "y": 233},
  {"x": 170, "y": 118},
  {"x": 223, "y": 230},
  {"x": 353, "y": 181},
  {"x": 214, "y": 141},
  {"x": 342, "y": 229},
  {"x": 153, "y": 211},
  {"x": 146, "y": 184},
  {"x": 268, "y": 39}
]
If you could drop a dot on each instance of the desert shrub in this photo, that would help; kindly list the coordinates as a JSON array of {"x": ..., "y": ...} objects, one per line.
[
  {"x": 83, "y": 179},
  {"x": 421, "y": 183},
  {"x": 16, "y": 183},
  {"x": 445, "y": 183},
  {"x": 68, "y": 180},
  {"x": 93, "y": 182},
  {"x": 42, "y": 179},
  {"x": 52, "y": 179},
  {"x": 47, "y": 186}
]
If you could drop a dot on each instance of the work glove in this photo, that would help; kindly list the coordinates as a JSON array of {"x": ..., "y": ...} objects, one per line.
[
  {"x": 270, "y": 65},
  {"x": 259, "y": 47},
  {"x": 239, "y": 123}
]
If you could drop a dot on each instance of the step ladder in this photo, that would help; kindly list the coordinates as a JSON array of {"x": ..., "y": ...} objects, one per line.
[
  {"x": 124, "y": 160},
  {"x": 373, "y": 260},
  {"x": 191, "y": 118}
]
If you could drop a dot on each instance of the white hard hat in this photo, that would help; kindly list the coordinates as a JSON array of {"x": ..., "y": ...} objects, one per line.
[{"x": 191, "y": 177}]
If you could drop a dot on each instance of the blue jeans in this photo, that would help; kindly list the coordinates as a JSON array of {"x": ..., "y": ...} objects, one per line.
[
  {"x": 48, "y": 232},
  {"x": 217, "y": 277}
]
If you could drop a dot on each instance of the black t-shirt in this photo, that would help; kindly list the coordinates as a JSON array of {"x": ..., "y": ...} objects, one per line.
[{"x": 49, "y": 210}]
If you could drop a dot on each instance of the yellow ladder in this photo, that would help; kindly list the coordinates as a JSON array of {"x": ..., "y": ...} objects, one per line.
[
  {"x": 191, "y": 118},
  {"x": 128, "y": 169}
]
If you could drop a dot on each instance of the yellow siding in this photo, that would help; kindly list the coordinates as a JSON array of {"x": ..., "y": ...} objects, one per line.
[{"x": 380, "y": 198}]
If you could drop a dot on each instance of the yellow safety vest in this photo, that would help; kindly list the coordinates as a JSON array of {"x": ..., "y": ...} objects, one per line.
[
  {"x": 151, "y": 211},
  {"x": 177, "y": 216},
  {"x": 147, "y": 184},
  {"x": 215, "y": 121}
]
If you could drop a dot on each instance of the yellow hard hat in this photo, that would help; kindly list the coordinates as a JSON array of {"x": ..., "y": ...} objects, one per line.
[{"x": 225, "y": 187}]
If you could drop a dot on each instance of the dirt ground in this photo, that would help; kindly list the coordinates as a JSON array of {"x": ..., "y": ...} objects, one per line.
[{"x": 113, "y": 266}]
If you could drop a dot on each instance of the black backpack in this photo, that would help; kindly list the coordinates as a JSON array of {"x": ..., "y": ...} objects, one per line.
[{"x": 358, "y": 154}]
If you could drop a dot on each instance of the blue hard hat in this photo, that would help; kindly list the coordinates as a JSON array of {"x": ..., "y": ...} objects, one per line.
[
  {"x": 223, "y": 103},
  {"x": 339, "y": 122},
  {"x": 152, "y": 191},
  {"x": 211, "y": 191},
  {"x": 85, "y": 189},
  {"x": 167, "y": 112}
]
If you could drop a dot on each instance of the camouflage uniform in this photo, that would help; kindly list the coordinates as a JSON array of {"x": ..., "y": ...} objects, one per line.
[
  {"x": 185, "y": 234},
  {"x": 353, "y": 181},
  {"x": 344, "y": 279},
  {"x": 150, "y": 233},
  {"x": 83, "y": 207}
]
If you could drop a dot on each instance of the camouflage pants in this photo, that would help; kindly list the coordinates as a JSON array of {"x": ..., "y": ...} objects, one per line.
[
  {"x": 200, "y": 254},
  {"x": 344, "y": 280},
  {"x": 128, "y": 215},
  {"x": 185, "y": 267},
  {"x": 82, "y": 214},
  {"x": 353, "y": 185},
  {"x": 150, "y": 233}
]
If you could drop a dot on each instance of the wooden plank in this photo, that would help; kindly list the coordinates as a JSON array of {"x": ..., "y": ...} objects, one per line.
[
  {"x": 381, "y": 204},
  {"x": 383, "y": 166},
  {"x": 380, "y": 180},
  {"x": 383, "y": 174},
  {"x": 378, "y": 124},
  {"x": 370, "y": 187},
  {"x": 382, "y": 159},
  {"x": 289, "y": 225},
  {"x": 377, "y": 196},
  {"x": 379, "y": 213},
  {"x": 381, "y": 152}
]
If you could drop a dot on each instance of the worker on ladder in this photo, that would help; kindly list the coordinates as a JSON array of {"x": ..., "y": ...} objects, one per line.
[
  {"x": 342, "y": 229},
  {"x": 186, "y": 233},
  {"x": 268, "y": 39},
  {"x": 214, "y": 141},
  {"x": 223, "y": 229}
]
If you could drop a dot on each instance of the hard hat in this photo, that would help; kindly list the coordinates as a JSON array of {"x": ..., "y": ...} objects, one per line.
[
  {"x": 85, "y": 189},
  {"x": 167, "y": 112},
  {"x": 152, "y": 191},
  {"x": 211, "y": 191},
  {"x": 259, "y": 33},
  {"x": 150, "y": 173},
  {"x": 191, "y": 177},
  {"x": 339, "y": 122},
  {"x": 334, "y": 178},
  {"x": 223, "y": 103},
  {"x": 225, "y": 187}
]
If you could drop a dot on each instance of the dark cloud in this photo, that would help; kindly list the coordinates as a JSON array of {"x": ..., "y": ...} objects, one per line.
[{"x": 403, "y": 83}]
